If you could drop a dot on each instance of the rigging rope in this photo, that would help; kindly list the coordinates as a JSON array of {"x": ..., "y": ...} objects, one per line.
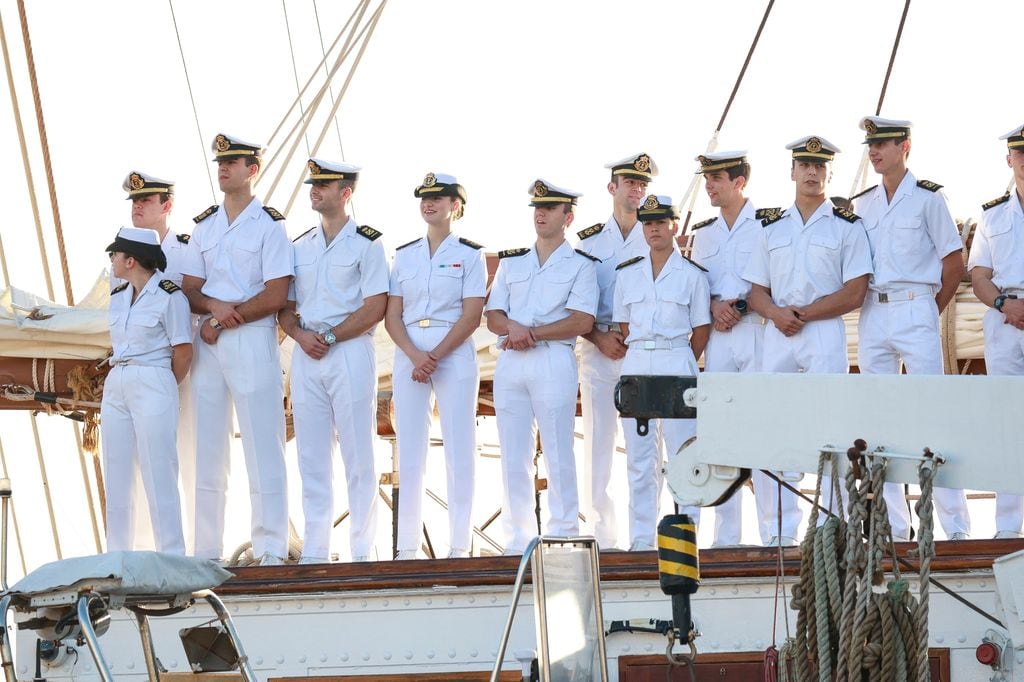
[
  {"x": 14, "y": 515},
  {"x": 295, "y": 70},
  {"x": 330, "y": 90},
  {"x": 195, "y": 111},
  {"x": 46, "y": 486}
]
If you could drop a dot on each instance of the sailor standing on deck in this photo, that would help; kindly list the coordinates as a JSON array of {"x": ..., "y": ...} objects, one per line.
[
  {"x": 152, "y": 202},
  {"x": 151, "y": 335},
  {"x": 997, "y": 273},
  {"x": 236, "y": 280},
  {"x": 664, "y": 308},
  {"x": 338, "y": 297},
  {"x": 541, "y": 300},
  {"x": 722, "y": 246},
  {"x": 917, "y": 262},
  {"x": 437, "y": 290},
  {"x": 810, "y": 267},
  {"x": 617, "y": 240}
]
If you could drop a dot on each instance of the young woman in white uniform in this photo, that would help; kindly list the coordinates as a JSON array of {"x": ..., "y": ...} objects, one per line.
[
  {"x": 438, "y": 284},
  {"x": 151, "y": 335}
]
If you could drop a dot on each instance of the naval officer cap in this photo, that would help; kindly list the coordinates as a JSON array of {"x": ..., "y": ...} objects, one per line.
[
  {"x": 139, "y": 242},
  {"x": 878, "y": 129},
  {"x": 716, "y": 161},
  {"x": 639, "y": 166},
  {"x": 139, "y": 184},
  {"x": 543, "y": 193},
  {"x": 325, "y": 171},
  {"x": 440, "y": 185},
  {"x": 813, "y": 148},
  {"x": 1014, "y": 138},
  {"x": 657, "y": 207},
  {"x": 227, "y": 147}
]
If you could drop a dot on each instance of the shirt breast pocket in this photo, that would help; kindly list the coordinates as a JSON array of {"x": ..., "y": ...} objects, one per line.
[
  {"x": 780, "y": 254},
  {"x": 1001, "y": 245},
  {"x": 823, "y": 255},
  {"x": 518, "y": 291},
  {"x": 674, "y": 312},
  {"x": 906, "y": 236},
  {"x": 343, "y": 274},
  {"x": 246, "y": 261},
  {"x": 144, "y": 328},
  {"x": 305, "y": 275},
  {"x": 555, "y": 293},
  {"x": 446, "y": 284}
]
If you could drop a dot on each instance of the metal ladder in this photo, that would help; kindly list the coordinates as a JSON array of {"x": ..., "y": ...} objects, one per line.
[{"x": 567, "y": 596}]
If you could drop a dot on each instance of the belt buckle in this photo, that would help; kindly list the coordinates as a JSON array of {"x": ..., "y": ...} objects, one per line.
[
  {"x": 883, "y": 297},
  {"x": 650, "y": 345},
  {"x": 910, "y": 295},
  {"x": 423, "y": 324}
]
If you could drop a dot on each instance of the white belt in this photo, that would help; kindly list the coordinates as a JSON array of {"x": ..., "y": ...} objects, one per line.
[
  {"x": 423, "y": 324},
  {"x": 752, "y": 318},
  {"x": 659, "y": 344},
  {"x": 132, "y": 361},
  {"x": 1012, "y": 292},
  {"x": 559, "y": 342},
  {"x": 901, "y": 295},
  {"x": 614, "y": 327}
]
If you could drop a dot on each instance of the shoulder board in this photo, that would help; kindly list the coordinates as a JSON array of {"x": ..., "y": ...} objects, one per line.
[
  {"x": 409, "y": 243},
  {"x": 511, "y": 253},
  {"x": 846, "y": 214},
  {"x": 119, "y": 288},
  {"x": 587, "y": 255},
  {"x": 590, "y": 231},
  {"x": 858, "y": 195},
  {"x": 303, "y": 234},
  {"x": 695, "y": 264},
  {"x": 627, "y": 263},
  {"x": 703, "y": 223},
  {"x": 368, "y": 232},
  {"x": 995, "y": 202},
  {"x": 183, "y": 238},
  {"x": 767, "y": 213},
  {"x": 273, "y": 213},
  {"x": 471, "y": 244},
  {"x": 765, "y": 222},
  {"x": 929, "y": 185},
  {"x": 206, "y": 214},
  {"x": 169, "y": 286}
]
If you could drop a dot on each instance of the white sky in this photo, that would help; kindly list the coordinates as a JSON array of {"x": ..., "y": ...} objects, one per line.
[{"x": 496, "y": 94}]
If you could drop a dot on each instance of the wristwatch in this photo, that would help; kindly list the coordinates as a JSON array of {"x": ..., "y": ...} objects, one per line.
[
  {"x": 1000, "y": 300},
  {"x": 214, "y": 323},
  {"x": 329, "y": 338}
]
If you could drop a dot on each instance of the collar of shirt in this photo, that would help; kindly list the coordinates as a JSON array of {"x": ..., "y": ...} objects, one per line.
[
  {"x": 746, "y": 213},
  {"x": 615, "y": 230},
  {"x": 563, "y": 251},
  {"x": 824, "y": 210},
  {"x": 347, "y": 231}
]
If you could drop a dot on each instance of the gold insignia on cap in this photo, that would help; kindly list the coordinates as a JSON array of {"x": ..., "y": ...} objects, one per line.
[
  {"x": 870, "y": 126},
  {"x": 540, "y": 189},
  {"x": 314, "y": 168},
  {"x": 652, "y": 201},
  {"x": 430, "y": 180},
  {"x": 642, "y": 163},
  {"x": 704, "y": 161},
  {"x": 136, "y": 181},
  {"x": 222, "y": 143},
  {"x": 813, "y": 145}
]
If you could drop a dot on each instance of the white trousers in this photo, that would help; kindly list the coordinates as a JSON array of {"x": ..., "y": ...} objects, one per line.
[
  {"x": 1004, "y": 355},
  {"x": 907, "y": 332},
  {"x": 139, "y": 418},
  {"x": 598, "y": 376},
  {"x": 537, "y": 385},
  {"x": 456, "y": 384},
  {"x": 337, "y": 395},
  {"x": 645, "y": 455},
  {"x": 244, "y": 368}
]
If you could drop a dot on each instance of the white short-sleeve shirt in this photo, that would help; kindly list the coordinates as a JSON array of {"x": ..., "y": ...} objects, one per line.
[
  {"x": 332, "y": 280},
  {"x": 999, "y": 244},
  {"x": 909, "y": 236},
  {"x": 145, "y": 331},
  {"x": 433, "y": 287},
  {"x": 724, "y": 252},
  {"x": 667, "y": 307},
  {"x": 802, "y": 263},
  {"x": 607, "y": 245},
  {"x": 534, "y": 295},
  {"x": 237, "y": 260}
]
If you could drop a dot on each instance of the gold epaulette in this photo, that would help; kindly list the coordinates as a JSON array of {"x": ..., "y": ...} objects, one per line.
[
  {"x": 929, "y": 185},
  {"x": 695, "y": 264},
  {"x": 169, "y": 286},
  {"x": 627, "y": 263},
  {"x": 587, "y": 255},
  {"x": 205, "y": 214},
  {"x": 303, "y": 234},
  {"x": 119, "y": 288},
  {"x": 773, "y": 219},
  {"x": 590, "y": 231},
  {"x": 846, "y": 214},
  {"x": 703, "y": 223},
  {"x": 858, "y": 195},
  {"x": 414, "y": 241},
  {"x": 368, "y": 232},
  {"x": 273, "y": 213},
  {"x": 765, "y": 213},
  {"x": 183, "y": 238},
  {"x": 512, "y": 253},
  {"x": 471, "y": 244},
  {"x": 995, "y": 202}
]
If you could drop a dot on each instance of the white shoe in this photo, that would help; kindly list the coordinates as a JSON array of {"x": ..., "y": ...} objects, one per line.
[
  {"x": 404, "y": 555},
  {"x": 1007, "y": 535},
  {"x": 959, "y": 535},
  {"x": 458, "y": 554},
  {"x": 314, "y": 560},
  {"x": 362, "y": 558},
  {"x": 642, "y": 546},
  {"x": 784, "y": 541},
  {"x": 269, "y": 559}
]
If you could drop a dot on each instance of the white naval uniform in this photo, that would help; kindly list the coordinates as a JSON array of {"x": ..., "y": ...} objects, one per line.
[
  {"x": 724, "y": 252},
  {"x": 909, "y": 236},
  {"x": 661, "y": 313},
  {"x": 801, "y": 263},
  {"x": 139, "y": 414},
  {"x": 337, "y": 394},
  {"x": 432, "y": 289},
  {"x": 598, "y": 376},
  {"x": 243, "y": 367},
  {"x": 999, "y": 245},
  {"x": 176, "y": 249},
  {"x": 539, "y": 384}
]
